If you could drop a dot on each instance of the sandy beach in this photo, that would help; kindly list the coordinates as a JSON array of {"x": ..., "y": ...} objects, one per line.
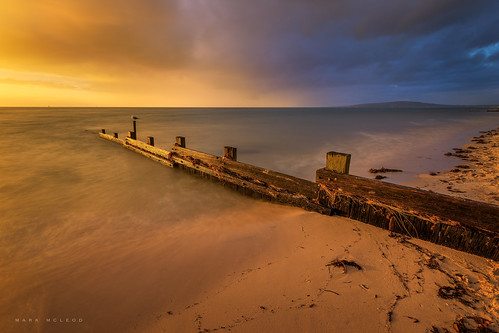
[
  {"x": 476, "y": 174},
  {"x": 327, "y": 274}
]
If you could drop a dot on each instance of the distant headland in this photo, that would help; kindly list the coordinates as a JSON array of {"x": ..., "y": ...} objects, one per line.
[{"x": 402, "y": 104}]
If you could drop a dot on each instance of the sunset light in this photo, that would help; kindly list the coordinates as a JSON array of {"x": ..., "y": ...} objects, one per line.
[
  {"x": 242, "y": 166},
  {"x": 226, "y": 53}
]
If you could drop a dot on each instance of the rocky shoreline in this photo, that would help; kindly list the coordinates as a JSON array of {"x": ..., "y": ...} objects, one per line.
[{"x": 476, "y": 174}]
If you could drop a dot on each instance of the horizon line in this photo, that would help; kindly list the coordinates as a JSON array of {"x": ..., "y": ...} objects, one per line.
[{"x": 407, "y": 103}]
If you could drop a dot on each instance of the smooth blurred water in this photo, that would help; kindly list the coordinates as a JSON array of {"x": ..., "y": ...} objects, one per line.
[
  {"x": 295, "y": 141},
  {"x": 91, "y": 230}
]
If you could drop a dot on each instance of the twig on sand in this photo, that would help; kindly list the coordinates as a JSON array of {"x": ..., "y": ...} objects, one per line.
[
  {"x": 330, "y": 291},
  {"x": 415, "y": 320},
  {"x": 344, "y": 263}
]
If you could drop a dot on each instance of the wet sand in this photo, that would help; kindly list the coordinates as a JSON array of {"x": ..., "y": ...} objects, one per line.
[{"x": 403, "y": 285}]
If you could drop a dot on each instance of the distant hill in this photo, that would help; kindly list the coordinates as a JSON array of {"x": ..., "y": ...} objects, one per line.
[{"x": 401, "y": 104}]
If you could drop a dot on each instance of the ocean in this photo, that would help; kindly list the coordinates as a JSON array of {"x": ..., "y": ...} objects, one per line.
[{"x": 94, "y": 236}]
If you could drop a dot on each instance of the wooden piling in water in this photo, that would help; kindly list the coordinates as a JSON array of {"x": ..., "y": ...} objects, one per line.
[
  {"x": 230, "y": 153},
  {"x": 180, "y": 141},
  {"x": 113, "y": 138},
  {"x": 150, "y": 140},
  {"x": 457, "y": 223},
  {"x": 338, "y": 162}
]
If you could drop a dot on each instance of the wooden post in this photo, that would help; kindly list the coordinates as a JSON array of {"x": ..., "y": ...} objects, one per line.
[
  {"x": 115, "y": 135},
  {"x": 338, "y": 162},
  {"x": 132, "y": 135},
  {"x": 180, "y": 141},
  {"x": 103, "y": 131},
  {"x": 135, "y": 126},
  {"x": 150, "y": 140},
  {"x": 230, "y": 153}
]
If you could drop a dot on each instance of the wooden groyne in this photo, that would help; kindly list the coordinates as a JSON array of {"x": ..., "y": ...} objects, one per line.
[
  {"x": 461, "y": 224},
  {"x": 457, "y": 223}
]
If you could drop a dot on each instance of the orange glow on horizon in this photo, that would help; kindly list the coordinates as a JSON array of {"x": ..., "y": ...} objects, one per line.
[{"x": 117, "y": 53}]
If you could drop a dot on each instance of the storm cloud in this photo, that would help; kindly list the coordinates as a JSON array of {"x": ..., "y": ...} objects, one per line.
[
  {"x": 331, "y": 44},
  {"x": 326, "y": 52}
]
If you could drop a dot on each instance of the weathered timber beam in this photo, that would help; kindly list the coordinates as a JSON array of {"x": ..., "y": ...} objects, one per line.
[
  {"x": 111, "y": 138},
  {"x": 460, "y": 224},
  {"x": 472, "y": 213},
  {"x": 282, "y": 188},
  {"x": 153, "y": 157},
  {"x": 250, "y": 186},
  {"x": 148, "y": 148},
  {"x": 246, "y": 171},
  {"x": 249, "y": 180}
]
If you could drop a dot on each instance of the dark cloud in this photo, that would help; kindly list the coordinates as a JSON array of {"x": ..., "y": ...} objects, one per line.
[
  {"x": 414, "y": 17},
  {"x": 317, "y": 44},
  {"x": 267, "y": 45}
]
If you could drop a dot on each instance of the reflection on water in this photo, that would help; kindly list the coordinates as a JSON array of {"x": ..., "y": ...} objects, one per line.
[{"x": 90, "y": 230}]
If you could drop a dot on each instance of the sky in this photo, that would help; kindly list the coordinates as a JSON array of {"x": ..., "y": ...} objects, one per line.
[{"x": 247, "y": 53}]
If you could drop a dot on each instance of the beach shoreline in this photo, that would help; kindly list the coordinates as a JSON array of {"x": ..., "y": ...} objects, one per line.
[
  {"x": 334, "y": 274},
  {"x": 160, "y": 250},
  {"x": 476, "y": 172},
  {"x": 330, "y": 273}
]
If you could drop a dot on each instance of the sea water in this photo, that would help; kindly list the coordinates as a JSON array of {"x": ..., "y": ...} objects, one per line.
[{"x": 94, "y": 237}]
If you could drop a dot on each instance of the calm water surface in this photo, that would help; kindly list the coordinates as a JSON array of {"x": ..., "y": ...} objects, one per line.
[{"x": 92, "y": 231}]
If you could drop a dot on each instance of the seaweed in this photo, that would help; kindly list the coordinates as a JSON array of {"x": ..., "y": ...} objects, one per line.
[
  {"x": 384, "y": 170},
  {"x": 344, "y": 263},
  {"x": 448, "y": 292},
  {"x": 472, "y": 324}
]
